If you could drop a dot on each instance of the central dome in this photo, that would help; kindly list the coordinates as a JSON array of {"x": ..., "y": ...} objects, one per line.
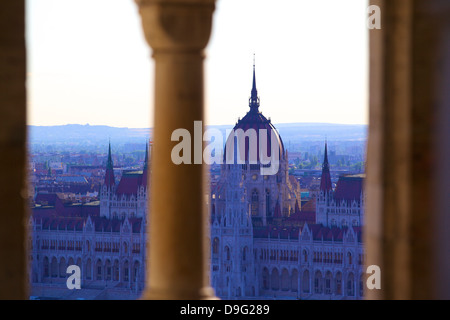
[{"x": 255, "y": 120}]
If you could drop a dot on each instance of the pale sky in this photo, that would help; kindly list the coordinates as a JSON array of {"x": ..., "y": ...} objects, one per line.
[{"x": 88, "y": 62}]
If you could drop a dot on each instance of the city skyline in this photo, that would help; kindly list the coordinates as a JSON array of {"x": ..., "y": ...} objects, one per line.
[{"x": 81, "y": 71}]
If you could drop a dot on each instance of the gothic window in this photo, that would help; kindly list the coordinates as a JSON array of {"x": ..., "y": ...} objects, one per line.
[
  {"x": 339, "y": 283},
  {"x": 275, "y": 280},
  {"x": 216, "y": 246},
  {"x": 268, "y": 212},
  {"x": 349, "y": 256},
  {"x": 227, "y": 253},
  {"x": 318, "y": 282},
  {"x": 328, "y": 278},
  {"x": 285, "y": 280},
  {"x": 255, "y": 203},
  {"x": 265, "y": 279},
  {"x": 350, "y": 285},
  {"x": 305, "y": 281},
  {"x": 244, "y": 253},
  {"x": 294, "y": 280}
]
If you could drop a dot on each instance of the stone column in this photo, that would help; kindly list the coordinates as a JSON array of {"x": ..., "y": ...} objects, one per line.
[
  {"x": 13, "y": 213},
  {"x": 178, "y": 32},
  {"x": 409, "y": 79}
]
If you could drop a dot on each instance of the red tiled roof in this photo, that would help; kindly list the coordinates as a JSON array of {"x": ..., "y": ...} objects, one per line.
[
  {"x": 130, "y": 183},
  {"x": 349, "y": 188}
]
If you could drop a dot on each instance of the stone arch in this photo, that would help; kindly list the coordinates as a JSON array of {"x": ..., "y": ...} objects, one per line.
[
  {"x": 328, "y": 282},
  {"x": 294, "y": 280},
  {"x": 88, "y": 270},
  {"x": 54, "y": 268},
  {"x": 275, "y": 279},
  {"x": 98, "y": 270},
  {"x": 305, "y": 282},
  {"x": 46, "y": 265},
  {"x": 136, "y": 273},
  {"x": 318, "y": 282},
  {"x": 350, "y": 284},
  {"x": 265, "y": 279},
  {"x": 62, "y": 267},
  {"x": 338, "y": 283},
  {"x": 285, "y": 283},
  {"x": 108, "y": 270},
  {"x": 116, "y": 270},
  {"x": 126, "y": 271}
]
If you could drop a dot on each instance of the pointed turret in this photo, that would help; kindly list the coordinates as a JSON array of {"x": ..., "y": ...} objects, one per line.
[
  {"x": 109, "y": 175},
  {"x": 254, "y": 100},
  {"x": 325, "y": 180},
  {"x": 277, "y": 213},
  {"x": 297, "y": 207},
  {"x": 145, "y": 172}
]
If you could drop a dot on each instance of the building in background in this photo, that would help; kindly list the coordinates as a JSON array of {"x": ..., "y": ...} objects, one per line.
[
  {"x": 105, "y": 238},
  {"x": 264, "y": 246}
]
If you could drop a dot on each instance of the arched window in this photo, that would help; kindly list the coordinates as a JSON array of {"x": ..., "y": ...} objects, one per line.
[
  {"x": 46, "y": 268},
  {"x": 265, "y": 279},
  {"x": 350, "y": 285},
  {"x": 294, "y": 280},
  {"x": 268, "y": 211},
  {"x": 126, "y": 272},
  {"x": 275, "y": 280},
  {"x": 216, "y": 245},
  {"x": 338, "y": 283},
  {"x": 305, "y": 256},
  {"x": 285, "y": 280},
  {"x": 244, "y": 254},
  {"x": 62, "y": 268},
  {"x": 349, "y": 256},
  {"x": 318, "y": 282},
  {"x": 88, "y": 270},
  {"x": 255, "y": 203},
  {"x": 305, "y": 281},
  {"x": 328, "y": 279},
  {"x": 227, "y": 253}
]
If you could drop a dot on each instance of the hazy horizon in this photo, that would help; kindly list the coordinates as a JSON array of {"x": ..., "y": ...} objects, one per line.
[{"x": 88, "y": 65}]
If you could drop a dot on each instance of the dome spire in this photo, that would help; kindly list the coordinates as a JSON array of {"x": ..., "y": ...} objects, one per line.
[{"x": 254, "y": 100}]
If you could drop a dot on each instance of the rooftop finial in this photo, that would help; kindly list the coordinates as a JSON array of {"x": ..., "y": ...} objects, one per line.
[{"x": 254, "y": 100}]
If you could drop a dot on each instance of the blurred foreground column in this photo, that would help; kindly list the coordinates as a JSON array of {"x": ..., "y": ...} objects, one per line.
[
  {"x": 408, "y": 221},
  {"x": 13, "y": 217},
  {"x": 177, "y": 31}
]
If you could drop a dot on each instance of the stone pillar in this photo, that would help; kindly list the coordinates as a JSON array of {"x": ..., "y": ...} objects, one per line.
[
  {"x": 178, "y": 32},
  {"x": 409, "y": 79},
  {"x": 13, "y": 213}
]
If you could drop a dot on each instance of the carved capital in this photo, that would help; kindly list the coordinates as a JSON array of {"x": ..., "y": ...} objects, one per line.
[{"x": 176, "y": 25}]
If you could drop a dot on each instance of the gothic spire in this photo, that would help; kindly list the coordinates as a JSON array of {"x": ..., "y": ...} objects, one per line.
[
  {"x": 325, "y": 180},
  {"x": 146, "y": 157},
  {"x": 254, "y": 100},
  {"x": 109, "y": 164},
  {"x": 109, "y": 175}
]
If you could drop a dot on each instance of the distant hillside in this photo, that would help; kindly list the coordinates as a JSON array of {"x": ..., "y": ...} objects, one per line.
[{"x": 75, "y": 134}]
